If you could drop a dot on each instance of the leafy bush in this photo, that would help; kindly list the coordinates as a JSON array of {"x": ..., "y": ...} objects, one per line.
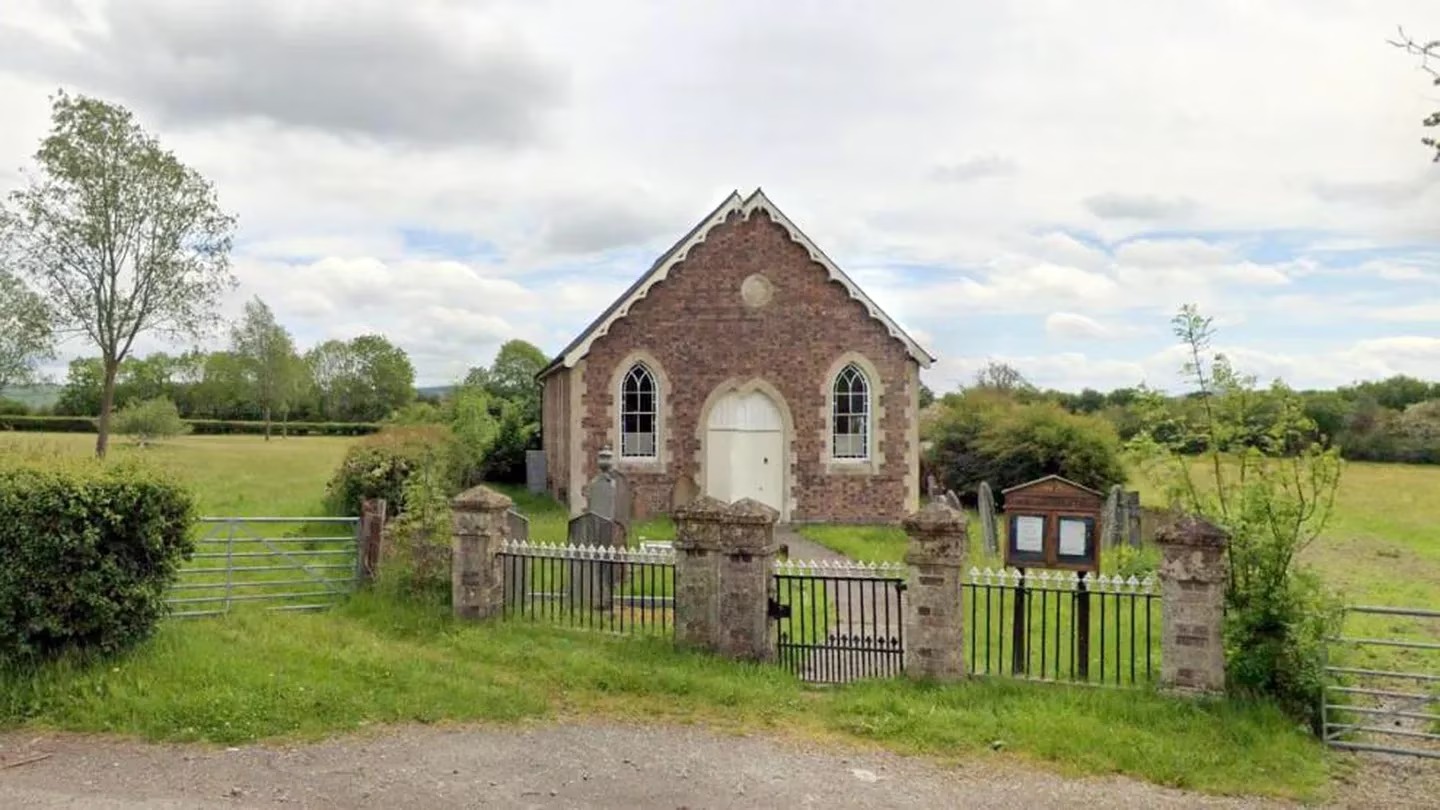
[
  {"x": 1273, "y": 490},
  {"x": 378, "y": 466},
  {"x": 985, "y": 435},
  {"x": 89, "y": 553},
  {"x": 150, "y": 420},
  {"x": 415, "y": 554},
  {"x": 13, "y": 407}
]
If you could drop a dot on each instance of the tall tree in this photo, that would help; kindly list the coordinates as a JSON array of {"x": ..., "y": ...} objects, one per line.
[
  {"x": 118, "y": 235},
  {"x": 360, "y": 380},
  {"x": 81, "y": 394},
  {"x": 512, "y": 375},
  {"x": 273, "y": 369},
  {"x": 24, "y": 330}
]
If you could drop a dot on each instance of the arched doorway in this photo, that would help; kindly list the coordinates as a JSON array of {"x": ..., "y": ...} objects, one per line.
[{"x": 745, "y": 449}]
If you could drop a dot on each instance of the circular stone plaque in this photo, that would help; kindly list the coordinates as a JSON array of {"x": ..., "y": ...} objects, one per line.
[{"x": 756, "y": 291}]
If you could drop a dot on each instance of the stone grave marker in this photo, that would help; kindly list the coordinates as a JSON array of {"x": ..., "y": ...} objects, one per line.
[
  {"x": 535, "y": 471},
  {"x": 517, "y": 526},
  {"x": 989, "y": 527},
  {"x": 1112, "y": 517},
  {"x": 591, "y": 583},
  {"x": 1132, "y": 518}
]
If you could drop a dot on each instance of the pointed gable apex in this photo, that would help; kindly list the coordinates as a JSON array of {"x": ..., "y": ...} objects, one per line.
[{"x": 745, "y": 206}]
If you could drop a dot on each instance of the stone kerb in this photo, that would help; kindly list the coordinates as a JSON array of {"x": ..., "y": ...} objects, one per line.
[
  {"x": 934, "y": 620},
  {"x": 724, "y": 556},
  {"x": 1193, "y": 572},
  {"x": 479, "y": 525}
]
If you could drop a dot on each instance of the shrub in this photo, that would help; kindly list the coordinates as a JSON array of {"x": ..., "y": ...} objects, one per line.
[
  {"x": 13, "y": 407},
  {"x": 150, "y": 420},
  {"x": 378, "y": 466},
  {"x": 415, "y": 555},
  {"x": 89, "y": 553},
  {"x": 1273, "y": 491},
  {"x": 984, "y": 435}
]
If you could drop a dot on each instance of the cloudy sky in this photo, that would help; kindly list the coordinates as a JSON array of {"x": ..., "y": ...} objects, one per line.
[{"x": 1036, "y": 181}]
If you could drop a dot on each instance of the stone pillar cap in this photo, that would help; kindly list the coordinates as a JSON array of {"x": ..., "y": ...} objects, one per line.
[
  {"x": 702, "y": 508},
  {"x": 936, "y": 517},
  {"x": 1192, "y": 530},
  {"x": 748, "y": 510},
  {"x": 481, "y": 499}
]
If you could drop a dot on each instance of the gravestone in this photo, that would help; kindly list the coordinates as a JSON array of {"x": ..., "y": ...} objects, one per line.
[
  {"x": 591, "y": 583},
  {"x": 608, "y": 495},
  {"x": 535, "y": 471},
  {"x": 518, "y": 526},
  {"x": 989, "y": 528},
  {"x": 1112, "y": 517},
  {"x": 1132, "y": 518},
  {"x": 932, "y": 488},
  {"x": 951, "y": 499}
]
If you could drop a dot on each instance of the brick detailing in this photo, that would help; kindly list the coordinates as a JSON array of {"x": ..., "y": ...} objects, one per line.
[
  {"x": 479, "y": 527},
  {"x": 724, "y": 578},
  {"x": 697, "y": 326},
  {"x": 1193, "y": 570},
  {"x": 934, "y": 620}
]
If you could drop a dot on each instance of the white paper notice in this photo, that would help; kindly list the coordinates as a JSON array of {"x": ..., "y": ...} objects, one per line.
[
  {"x": 1072, "y": 538},
  {"x": 1030, "y": 534}
]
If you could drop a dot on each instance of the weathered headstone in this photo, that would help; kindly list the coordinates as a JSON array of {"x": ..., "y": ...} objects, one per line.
[
  {"x": 989, "y": 528},
  {"x": 535, "y": 471},
  {"x": 1132, "y": 518},
  {"x": 951, "y": 499},
  {"x": 591, "y": 582},
  {"x": 518, "y": 526},
  {"x": 1112, "y": 517},
  {"x": 932, "y": 488},
  {"x": 608, "y": 496}
]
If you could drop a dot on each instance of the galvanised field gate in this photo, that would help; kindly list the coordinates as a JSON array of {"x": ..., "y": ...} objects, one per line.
[
  {"x": 280, "y": 563},
  {"x": 837, "y": 622},
  {"x": 1383, "y": 692}
]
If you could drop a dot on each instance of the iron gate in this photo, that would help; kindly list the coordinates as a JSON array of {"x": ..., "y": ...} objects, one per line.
[
  {"x": 837, "y": 622},
  {"x": 1385, "y": 695}
]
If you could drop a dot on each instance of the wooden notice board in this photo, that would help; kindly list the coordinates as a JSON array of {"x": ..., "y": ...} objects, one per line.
[{"x": 1053, "y": 522}]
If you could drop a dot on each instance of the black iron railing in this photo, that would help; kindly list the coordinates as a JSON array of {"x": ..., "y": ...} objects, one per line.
[
  {"x": 839, "y": 622},
  {"x": 595, "y": 587},
  {"x": 1062, "y": 626}
]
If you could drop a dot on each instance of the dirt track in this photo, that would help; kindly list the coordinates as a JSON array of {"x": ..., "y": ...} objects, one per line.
[{"x": 557, "y": 766}]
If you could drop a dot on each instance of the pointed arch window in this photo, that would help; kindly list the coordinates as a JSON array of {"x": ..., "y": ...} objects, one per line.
[
  {"x": 639, "y": 410},
  {"x": 850, "y": 415}
]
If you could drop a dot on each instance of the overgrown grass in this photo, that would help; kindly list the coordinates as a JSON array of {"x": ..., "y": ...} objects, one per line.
[
  {"x": 252, "y": 676},
  {"x": 230, "y": 475}
]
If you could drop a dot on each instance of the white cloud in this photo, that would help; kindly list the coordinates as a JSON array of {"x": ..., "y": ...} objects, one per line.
[
  {"x": 557, "y": 148},
  {"x": 1072, "y": 326}
]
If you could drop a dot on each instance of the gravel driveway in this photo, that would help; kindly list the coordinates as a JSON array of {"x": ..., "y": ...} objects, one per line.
[{"x": 555, "y": 766}]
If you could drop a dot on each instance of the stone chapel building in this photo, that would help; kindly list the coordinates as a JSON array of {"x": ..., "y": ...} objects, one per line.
[{"x": 743, "y": 363}]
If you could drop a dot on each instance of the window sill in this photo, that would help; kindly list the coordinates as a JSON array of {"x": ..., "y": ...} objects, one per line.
[{"x": 857, "y": 467}]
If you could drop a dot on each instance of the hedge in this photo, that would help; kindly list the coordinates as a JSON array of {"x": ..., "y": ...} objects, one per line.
[
  {"x": 89, "y": 552},
  {"x": 203, "y": 427}
]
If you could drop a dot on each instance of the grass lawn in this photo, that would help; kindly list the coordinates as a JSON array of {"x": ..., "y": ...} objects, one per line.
[{"x": 252, "y": 676}]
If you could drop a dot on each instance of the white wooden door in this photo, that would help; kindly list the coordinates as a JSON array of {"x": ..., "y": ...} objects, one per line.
[{"x": 744, "y": 450}]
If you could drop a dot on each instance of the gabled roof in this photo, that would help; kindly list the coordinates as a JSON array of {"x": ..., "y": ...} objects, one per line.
[{"x": 733, "y": 204}]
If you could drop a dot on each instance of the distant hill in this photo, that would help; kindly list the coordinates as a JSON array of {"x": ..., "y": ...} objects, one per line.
[
  {"x": 42, "y": 395},
  {"x": 434, "y": 390}
]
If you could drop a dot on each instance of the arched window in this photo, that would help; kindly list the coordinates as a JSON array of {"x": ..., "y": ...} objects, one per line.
[
  {"x": 850, "y": 415},
  {"x": 639, "y": 407}
]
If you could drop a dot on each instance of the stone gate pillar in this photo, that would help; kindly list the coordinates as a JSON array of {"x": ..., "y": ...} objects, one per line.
[
  {"x": 934, "y": 620},
  {"x": 479, "y": 526},
  {"x": 724, "y": 577},
  {"x": 1193, "y": 573}
]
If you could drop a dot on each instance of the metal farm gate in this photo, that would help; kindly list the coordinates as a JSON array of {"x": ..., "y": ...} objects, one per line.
[
  {"x": 1383, "y": 692},
  {"x": 280, "y": 563},
  {"x": 837, "y": 622}
]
